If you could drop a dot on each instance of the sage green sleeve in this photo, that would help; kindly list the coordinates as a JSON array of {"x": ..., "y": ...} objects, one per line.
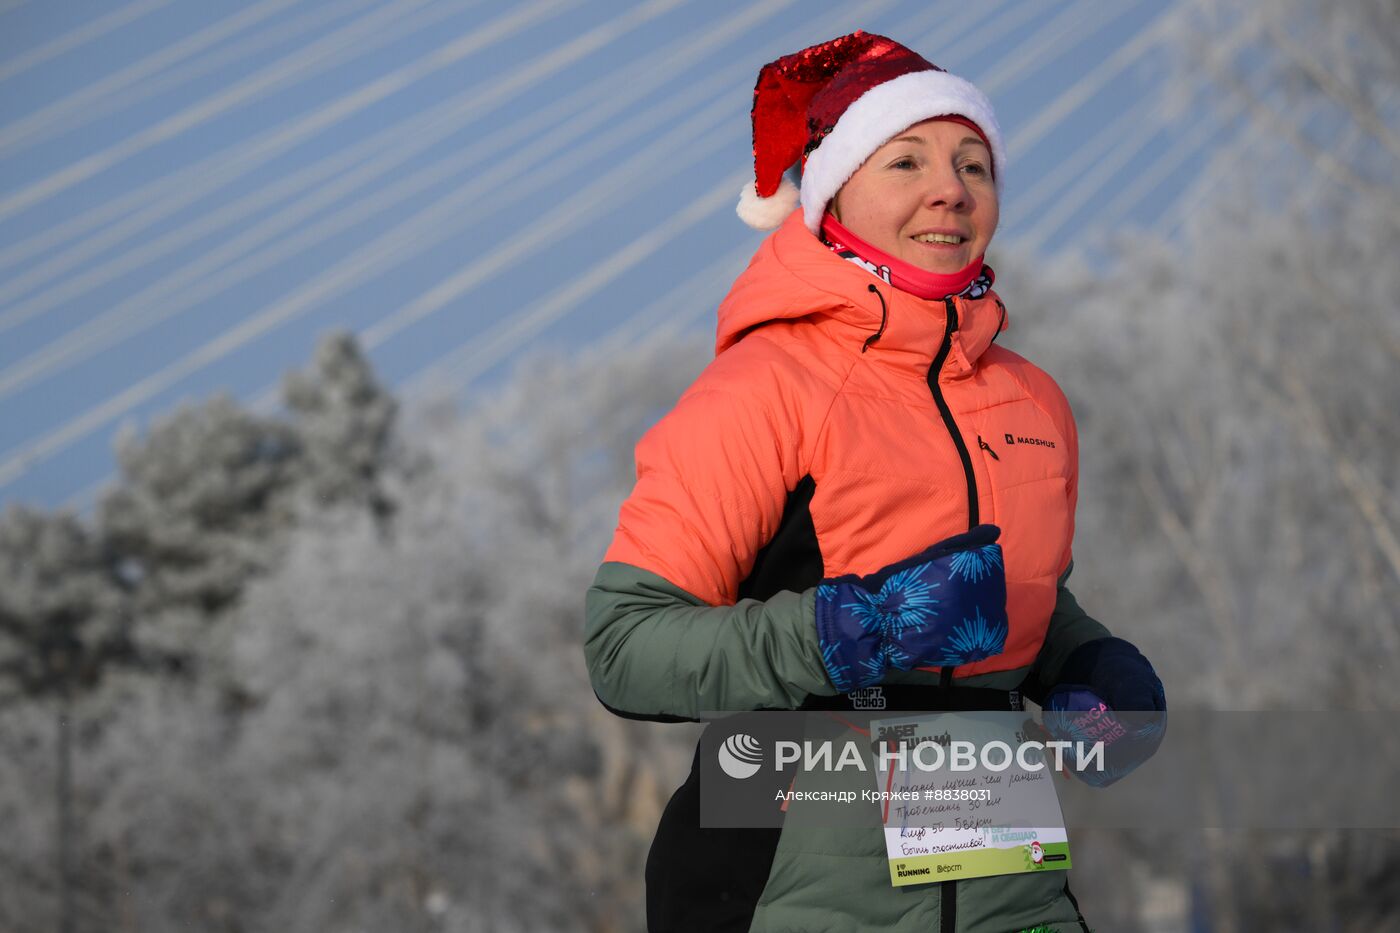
[
  {"x": 1070, "y": 626},
  {"x": 654, "y": 649}
]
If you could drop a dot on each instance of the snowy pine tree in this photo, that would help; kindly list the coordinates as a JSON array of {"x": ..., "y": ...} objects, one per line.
[
  {"x": 344, "y": 419},
  {"x": 62, "y": 621},
  {"x": 201, "y": 504},
  {"x": 63, "y": 625}
]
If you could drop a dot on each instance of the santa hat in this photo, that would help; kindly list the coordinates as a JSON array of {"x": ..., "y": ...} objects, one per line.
[{"x": 834, "y": 104}]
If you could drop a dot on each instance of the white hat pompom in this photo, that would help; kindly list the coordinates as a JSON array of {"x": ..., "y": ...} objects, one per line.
[{"x": 767, "y": 213}]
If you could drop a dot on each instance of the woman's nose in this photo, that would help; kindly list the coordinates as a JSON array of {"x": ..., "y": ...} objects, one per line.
[{"x": 946, "y": 189}]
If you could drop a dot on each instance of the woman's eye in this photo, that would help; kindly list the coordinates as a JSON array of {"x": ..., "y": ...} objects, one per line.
[
  {"x": 905, "y": 162},
  {"x": 974, "y": 168}
]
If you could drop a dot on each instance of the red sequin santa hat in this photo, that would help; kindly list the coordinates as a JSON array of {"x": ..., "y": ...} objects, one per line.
[{"x": 834, "y": 104}]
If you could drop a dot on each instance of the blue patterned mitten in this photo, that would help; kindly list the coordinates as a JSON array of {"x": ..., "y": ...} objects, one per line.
[
  {"x": 942, "y": 607},
  {"x": 1108, "y": 692}
]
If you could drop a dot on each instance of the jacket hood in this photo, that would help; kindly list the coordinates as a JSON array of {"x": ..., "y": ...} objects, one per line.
[{"x": 794, "y": 277}]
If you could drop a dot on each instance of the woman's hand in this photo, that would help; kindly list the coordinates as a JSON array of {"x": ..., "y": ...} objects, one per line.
[
  {"x": 942, "y": 607},
  {"x": 1109, "y": 693}
]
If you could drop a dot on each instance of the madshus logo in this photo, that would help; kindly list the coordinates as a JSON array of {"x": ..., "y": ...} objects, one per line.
[
  {"x": 1014, "y": 439},
  {"x": 740, "y": 756}
]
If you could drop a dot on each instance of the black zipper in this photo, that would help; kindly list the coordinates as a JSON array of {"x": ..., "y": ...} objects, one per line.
[
  {"x": 948, "y": 890},
  {"x": 946, "y": 412}
]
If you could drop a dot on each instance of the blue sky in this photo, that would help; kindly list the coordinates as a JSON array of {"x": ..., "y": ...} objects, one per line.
[{"x": 191, "y": 193}]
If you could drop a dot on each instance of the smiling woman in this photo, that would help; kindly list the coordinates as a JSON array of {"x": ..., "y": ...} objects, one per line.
[{"x": 813, "y": 521}]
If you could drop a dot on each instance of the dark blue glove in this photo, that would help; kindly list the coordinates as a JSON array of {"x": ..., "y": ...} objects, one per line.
[
  {"x": 1108, "y": 692},
  {"x": 944, "y": 606}
]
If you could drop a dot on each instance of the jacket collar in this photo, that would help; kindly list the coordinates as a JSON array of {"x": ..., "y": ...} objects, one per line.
[{"x": 794, "y": 276}]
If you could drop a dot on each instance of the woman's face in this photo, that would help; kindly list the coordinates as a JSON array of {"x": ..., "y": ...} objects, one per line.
[{"x": 926, "y": 197}]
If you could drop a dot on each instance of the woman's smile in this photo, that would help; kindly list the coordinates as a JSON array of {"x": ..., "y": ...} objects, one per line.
[{"x": 941, "y": 239}]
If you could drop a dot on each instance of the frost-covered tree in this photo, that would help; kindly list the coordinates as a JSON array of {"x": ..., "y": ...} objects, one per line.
[
  {"x": 199, "y": 500},
  {"x": 417, "y": 744},
  {"x": 62, "y": 627},
  {"x": 61, "y": 619},
  {"x": 344, "y": 419},
  {"x": 207, "y": 494}
]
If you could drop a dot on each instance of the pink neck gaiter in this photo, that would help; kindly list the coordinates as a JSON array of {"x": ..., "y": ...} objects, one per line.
[{"x": 973, "y": 280}]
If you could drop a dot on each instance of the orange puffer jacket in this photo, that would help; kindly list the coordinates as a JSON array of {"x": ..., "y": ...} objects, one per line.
[{"x": 902, "y": 440}]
